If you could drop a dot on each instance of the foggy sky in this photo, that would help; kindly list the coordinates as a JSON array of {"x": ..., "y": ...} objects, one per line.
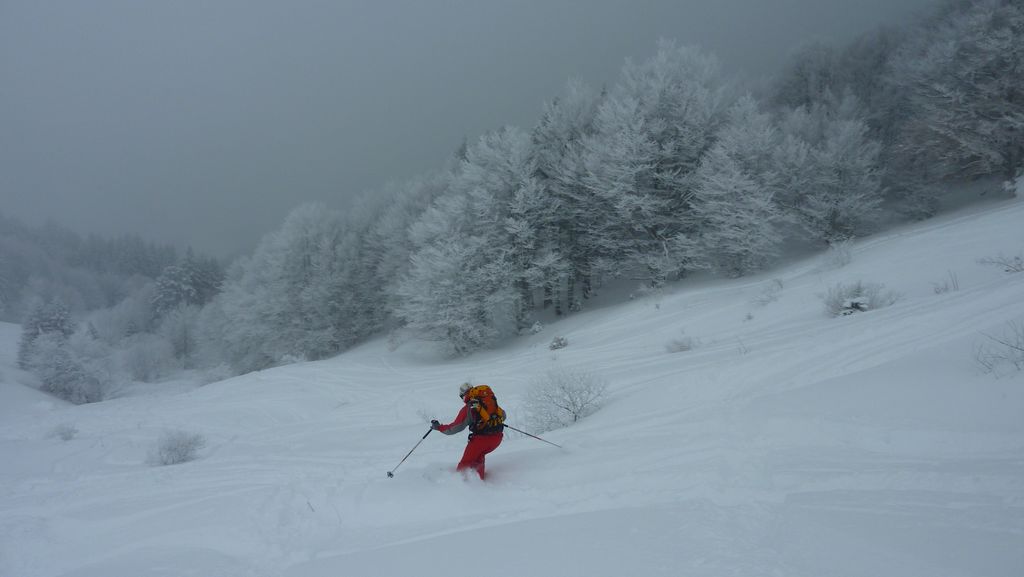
[{"x": 203, "y": 122}]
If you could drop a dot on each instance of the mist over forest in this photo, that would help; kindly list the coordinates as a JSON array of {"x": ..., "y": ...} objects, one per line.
[{"x": 671, "y": 172}]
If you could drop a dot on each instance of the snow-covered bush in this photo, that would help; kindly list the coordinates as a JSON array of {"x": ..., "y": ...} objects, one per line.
[
  {"x": 741, "y": 346},
  {"x": 1006, "y": 350},
  {"x": 950, "y": 284},
  {"x": 558, "y": 343},
  {"x": 64, "y": 431},
  {"x": 857, "y": 297},
  {"x": 682, "y": 344},
  {"x": 175, "y": 447},
  {"x": 1009, "y": 264},
  {"x": 562, "y": 397}
]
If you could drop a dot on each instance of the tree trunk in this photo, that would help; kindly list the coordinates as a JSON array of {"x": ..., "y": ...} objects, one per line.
[
  {"x": 570, "y": 290},
  {"x": 525, "y": 304}
]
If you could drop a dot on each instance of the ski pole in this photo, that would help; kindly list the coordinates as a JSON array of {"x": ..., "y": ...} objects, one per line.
[
  {"x": 391, "y": 473},
  {"x": 529, "y": 435}
]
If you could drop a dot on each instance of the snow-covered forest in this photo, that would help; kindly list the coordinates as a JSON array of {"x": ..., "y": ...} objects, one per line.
[
  {"x": 674, "y": 169},
  {"x": 735, "y": 429}
]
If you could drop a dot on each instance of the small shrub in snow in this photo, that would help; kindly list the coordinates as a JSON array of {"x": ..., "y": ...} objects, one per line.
[
  {"x": 952, "y": 283},
  {"x": 558, "y": 343},
  {"x": 743, "y": 349},
  {"x": 1006, "y": 350},
  {"x": 536, "y": 328},
  {"x": 682, "y": 344},
  {"x": 65, "y": 431},
  {"x": 562, "y": 397},
  {"x": 1010, "y": 264},
  {"x": 858, "y": 297},
  {"x": 175, "y": 447}
]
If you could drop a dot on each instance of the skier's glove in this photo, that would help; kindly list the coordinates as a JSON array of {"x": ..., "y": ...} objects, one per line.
[{"x": 435, "y": 425}]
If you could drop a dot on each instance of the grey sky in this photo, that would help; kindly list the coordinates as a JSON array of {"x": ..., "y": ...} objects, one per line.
[{"x": 204, "y": 122}]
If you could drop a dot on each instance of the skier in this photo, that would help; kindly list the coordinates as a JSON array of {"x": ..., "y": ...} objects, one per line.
[{"x": 486, "y": 421}]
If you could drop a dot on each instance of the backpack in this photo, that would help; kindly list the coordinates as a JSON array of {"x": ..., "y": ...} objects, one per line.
[{"x": 490, "y": 417}]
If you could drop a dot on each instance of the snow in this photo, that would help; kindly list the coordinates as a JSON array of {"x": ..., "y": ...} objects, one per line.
[{"x": 785, "y": 443}]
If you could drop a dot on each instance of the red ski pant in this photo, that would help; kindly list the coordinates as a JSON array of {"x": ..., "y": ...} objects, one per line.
[{"x": 476, "y": 449}]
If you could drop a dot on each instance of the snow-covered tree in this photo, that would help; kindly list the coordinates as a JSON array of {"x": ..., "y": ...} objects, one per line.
[
  {"x": 179, "y": 327},
  {"x": 564, "y": 257},
  {"x": 386, "y": 247},
  {"x": 963, "y": 74},
  {"x": 862, "y": 67},
  {"x": 133, "y": 315},
  {"x": 684, "y": 98},
  {"x": 285, "y": 301},
  {"x": 621, "y": 208},
  {"x": 453, "y": 292},
  {"x": 444, "y": 297},
  {"x": 60, "y": 372},
  {"x": 193, "y": 281},
  {"x": 71, "y": 365},
  {"x": 650, "y": 135},
  {"x": 46, "y": 318},
  {"x": 831, "y": 177},
  {"x": 809, "y": 78},
  {"x": 734, "y": 199},
  {"x": 508, "y": 207},
  {"x": 847, "y": 201},
  {"x": 467, "y": 284}
]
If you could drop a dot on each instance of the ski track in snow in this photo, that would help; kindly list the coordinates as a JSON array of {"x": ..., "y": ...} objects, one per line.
[{"x": 783, "y": 444}]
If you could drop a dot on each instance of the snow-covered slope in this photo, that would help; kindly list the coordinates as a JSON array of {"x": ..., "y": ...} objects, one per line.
[{"x": 784, "y": 443}]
